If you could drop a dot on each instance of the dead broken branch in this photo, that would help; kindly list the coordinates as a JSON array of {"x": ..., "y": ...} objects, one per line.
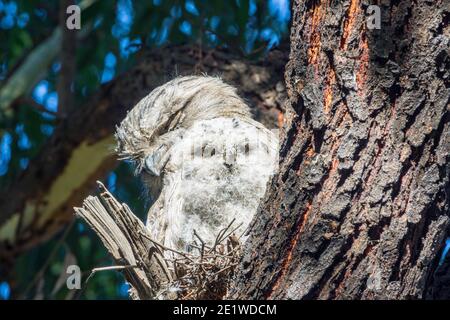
[
  {"x": 122, "y": 234},
  {"x": 153, "y": 270}
]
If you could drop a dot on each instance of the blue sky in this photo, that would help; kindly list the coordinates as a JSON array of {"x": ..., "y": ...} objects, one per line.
[
  {"x": 5, "y": 290},
  {"x": 47, "y": 96},
  {"x": 11, "y": 16}
]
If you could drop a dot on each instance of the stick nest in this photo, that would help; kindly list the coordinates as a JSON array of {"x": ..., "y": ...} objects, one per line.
[{"x": 205, "y": 271}]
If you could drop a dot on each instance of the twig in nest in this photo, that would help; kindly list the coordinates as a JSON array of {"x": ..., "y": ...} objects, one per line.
[
  {"x": 164, "y": 248},
  {"x": 205, "y": 275},
  {"x": 202, "y": 242},
  {"x": 95, "y": 270}
]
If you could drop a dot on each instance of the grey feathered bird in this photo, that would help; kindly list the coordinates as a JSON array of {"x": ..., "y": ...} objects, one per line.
[{"x": 203, "y": 158}]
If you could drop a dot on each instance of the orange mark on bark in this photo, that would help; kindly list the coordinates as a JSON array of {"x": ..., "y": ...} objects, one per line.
[
  {"x": 310, "y": 152},
  {"x": 334, "y": 165},
  {"x": 314, "y": 40},
  {"x": 349, "y": 23},
  {"x": 333, "y": 150},
  {"x": 307, "y": 158},
  {"x": 280, "y": 119},
  {"x": 361, "y": 75},
  {"x": 292, "y": 244},
  {"x": 328, "y": 92},
  {"x": 329, "y": 185}
]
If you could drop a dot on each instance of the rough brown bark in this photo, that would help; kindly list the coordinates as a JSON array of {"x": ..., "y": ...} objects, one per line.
[
  {"x": 79, "y": 151},
  {"x": 360, "y": 206}
]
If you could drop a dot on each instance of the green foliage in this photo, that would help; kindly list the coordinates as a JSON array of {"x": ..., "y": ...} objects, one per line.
[{"x": 117, "y": 30}]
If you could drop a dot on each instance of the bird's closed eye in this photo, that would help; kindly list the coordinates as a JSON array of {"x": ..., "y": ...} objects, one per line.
[{"x": 155, "y": 162}]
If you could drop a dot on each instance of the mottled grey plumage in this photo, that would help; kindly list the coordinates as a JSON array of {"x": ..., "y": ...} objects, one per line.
[{"x": 202, "y": 156}]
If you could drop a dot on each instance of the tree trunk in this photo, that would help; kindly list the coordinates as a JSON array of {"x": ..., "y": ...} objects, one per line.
[
  {"x": 79, "y": 152},
  {"x": 359, "y": 208}
]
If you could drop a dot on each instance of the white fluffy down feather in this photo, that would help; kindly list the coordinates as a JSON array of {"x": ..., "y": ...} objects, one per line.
[{"x": 202, "y": 156}]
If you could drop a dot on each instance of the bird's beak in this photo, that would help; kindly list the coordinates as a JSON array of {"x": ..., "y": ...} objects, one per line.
[{"x": 155, "y": 162}]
